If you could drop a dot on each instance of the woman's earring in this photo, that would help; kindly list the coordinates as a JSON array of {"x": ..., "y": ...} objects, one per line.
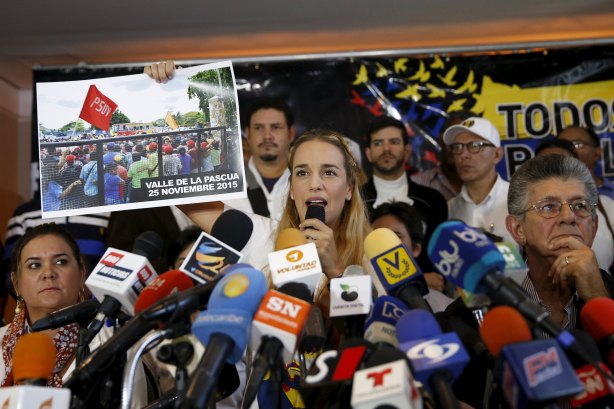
[
  {"x": 19, "y": 305},
  {"x": 81, "y": 294}
]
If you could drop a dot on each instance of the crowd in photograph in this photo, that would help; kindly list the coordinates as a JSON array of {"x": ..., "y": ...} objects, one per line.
[{"x": 69, "y": 175}]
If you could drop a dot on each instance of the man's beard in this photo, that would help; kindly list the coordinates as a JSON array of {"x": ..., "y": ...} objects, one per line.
[
  {"x": 398, "y": 165},
  {"x": 268, "y": 157}
]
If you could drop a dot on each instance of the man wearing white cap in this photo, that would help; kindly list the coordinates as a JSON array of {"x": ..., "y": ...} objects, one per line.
[{"x": 482, "y": 202}]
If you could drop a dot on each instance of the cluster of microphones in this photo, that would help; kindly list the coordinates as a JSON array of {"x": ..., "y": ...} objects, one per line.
[{"x": 380, "y": 352}]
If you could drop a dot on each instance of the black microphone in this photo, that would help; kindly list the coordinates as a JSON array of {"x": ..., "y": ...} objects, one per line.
[
  {"x": 81, "y": 313},
  {"x": 148, "y": 244},
  {"x": 315, "y": 211},
  {"x": 233, "y": 228}
]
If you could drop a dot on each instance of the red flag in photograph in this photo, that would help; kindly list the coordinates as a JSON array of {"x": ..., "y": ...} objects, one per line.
[{"x": 97, "y": 108}]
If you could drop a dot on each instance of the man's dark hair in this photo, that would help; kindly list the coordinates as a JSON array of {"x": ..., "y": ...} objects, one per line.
[
  {"x": 408, "y": 215},
  {"x": 557, "y": 143},
  {"x": 382, "y": 122},
  {"x": 270, "y": 103},
  {"x": 591, "y": 134}
]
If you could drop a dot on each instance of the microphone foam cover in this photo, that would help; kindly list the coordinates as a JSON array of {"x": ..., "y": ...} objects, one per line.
[
  {"x": 33, "y": 357},
  {"x": 231, "y": 309},
  {"x": 233, "y": 228},
  {"x": 383, "y": 356},
  {"x": 289, "y": 237},
  {"x": 165, "y": 284},
  {"x": 296, "y": 290},
  {"x": 464, "y": 255},
  {"x": 597, "y": 317},
  {"x": 148, "y": 244},
  {"x": 501, "y": 326},
  {"x": 415, "y": 325},
  {"x": 379, "y": 241},
  {"x": 386, "y": 309},
  {"x": 315, "y": 211}
]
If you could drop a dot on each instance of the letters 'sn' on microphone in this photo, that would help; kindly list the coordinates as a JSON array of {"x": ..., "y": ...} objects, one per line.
[
  {"x": 33, "y": 365},
  {"x": 437, "y": 358},
  {"x": 530, "y": 373},
  {"x": 396, "y": 268},
  {"x": 295, "y": 260},
  {"x": 275, "y": 330},
  {"x": 313, "y": 338}
]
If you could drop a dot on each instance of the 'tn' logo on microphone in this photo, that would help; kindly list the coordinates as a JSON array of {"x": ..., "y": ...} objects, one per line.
[
  {"x": 111, "y": 259},
  {"x": 395, "y": 264},
  {"x": 378, "y": 376},
  {"x": 294, "y": 256}
]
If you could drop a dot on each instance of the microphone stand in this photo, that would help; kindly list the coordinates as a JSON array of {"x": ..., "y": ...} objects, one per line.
[
  {"x": 178, "y": 329},
  {"x": 178, "y": 354},
  {"x": 110, "y": 308}
]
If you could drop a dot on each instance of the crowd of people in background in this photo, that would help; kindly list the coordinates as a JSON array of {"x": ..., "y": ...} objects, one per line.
[
  {"x": 286, "y": 173},
  {"x": 69, "y": 176}
]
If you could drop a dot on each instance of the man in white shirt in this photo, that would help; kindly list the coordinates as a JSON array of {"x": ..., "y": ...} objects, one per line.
[
  {"x": 269, "y": 133},
  {"x": 388, "y": 149},
  {"x": 482, "y": 202}
]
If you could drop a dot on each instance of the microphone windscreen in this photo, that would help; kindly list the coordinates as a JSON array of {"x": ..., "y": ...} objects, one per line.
[
  {"x": 296, "y": 290},
  {"x": 588, "y": 345},
  {"x": 464, "y": 255},
  {"x": 233, "y": 228},
  {"x": 416, "y": 325},
  {"x": 501, "y": 326},
  {"x": 171, "y": 282},
  {"x": 379, "y": 241},
  {"x": 289, "y": 237},
  {"x": 315, "y": 211},
  {"x": 33, "y": 357},
  {"x": 353, "y": 270},
  {"x": 597, "y": 317},
  {"x": 148, "y": 244},
  {"x": 383, "y": 356},
  {"x": 386, "y": 309},
  {"x": 231, "y": 308}
]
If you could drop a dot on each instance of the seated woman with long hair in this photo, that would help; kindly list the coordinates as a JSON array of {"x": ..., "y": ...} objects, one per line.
[{"x": 48, "y": 274}]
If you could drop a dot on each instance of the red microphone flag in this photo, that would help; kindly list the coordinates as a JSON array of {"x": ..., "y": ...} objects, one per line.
[{"x": 97, "y": 108}]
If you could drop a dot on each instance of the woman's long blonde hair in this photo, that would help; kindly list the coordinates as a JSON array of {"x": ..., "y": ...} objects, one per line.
[{"x": 353, "y": 223}]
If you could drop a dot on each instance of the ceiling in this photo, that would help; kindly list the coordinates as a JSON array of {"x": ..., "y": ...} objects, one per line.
[{"x": 68, "y": 32}]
